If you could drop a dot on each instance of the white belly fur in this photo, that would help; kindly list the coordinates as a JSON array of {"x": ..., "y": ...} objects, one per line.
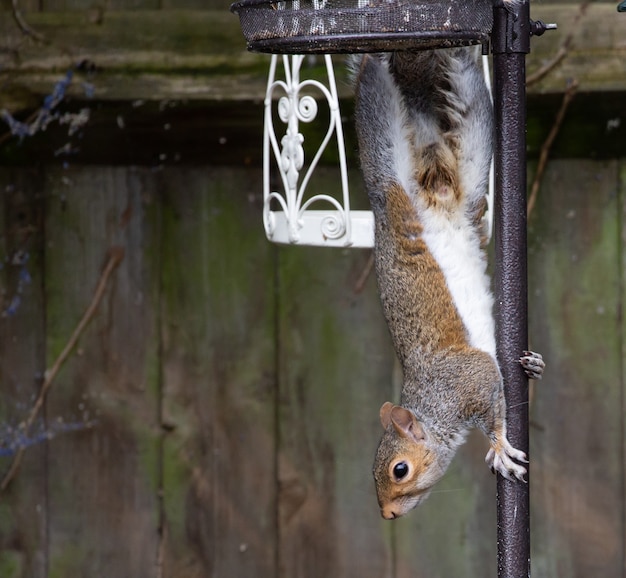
[{"x": 456, "y": 248}]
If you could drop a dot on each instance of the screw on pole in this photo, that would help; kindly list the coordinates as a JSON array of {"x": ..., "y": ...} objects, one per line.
[
  {"x": 537, "y": 27},
  {"x": 510, "y": 44}
]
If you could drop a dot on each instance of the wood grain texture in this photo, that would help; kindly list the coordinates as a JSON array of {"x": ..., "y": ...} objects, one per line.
[
  {"x": 103, "y": 484},
  {"x": 622, "y": 433},
  {"x": 219, "y": 382},
  {"x": 23, "y": 507},
  {"x": 577, "y": 491},
  {"x": 335, "y": 372}
]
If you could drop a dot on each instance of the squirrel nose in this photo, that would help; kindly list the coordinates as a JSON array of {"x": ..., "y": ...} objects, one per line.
[{"x": 388, "y": 515}]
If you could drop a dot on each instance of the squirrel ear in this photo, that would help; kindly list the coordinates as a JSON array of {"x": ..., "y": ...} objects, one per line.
[
  {"x": 406, "y": 423},
  {"x": 385, "y": 414}
]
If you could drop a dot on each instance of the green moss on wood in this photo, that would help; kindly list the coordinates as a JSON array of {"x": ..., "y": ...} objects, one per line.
[
  {"x": 66, "y": 559},
  {"x": 11, "y": 564}
]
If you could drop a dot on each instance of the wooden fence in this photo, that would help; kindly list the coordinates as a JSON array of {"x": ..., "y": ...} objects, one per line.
[{"x": 219, "y": 416}]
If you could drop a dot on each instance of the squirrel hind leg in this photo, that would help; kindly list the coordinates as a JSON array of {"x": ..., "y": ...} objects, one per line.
[
  {"x": 437, "y": 175},
  {"x": 533, "y": 364}
]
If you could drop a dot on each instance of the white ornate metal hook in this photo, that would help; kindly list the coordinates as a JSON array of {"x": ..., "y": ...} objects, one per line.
[{"x": 296, "y": 223}]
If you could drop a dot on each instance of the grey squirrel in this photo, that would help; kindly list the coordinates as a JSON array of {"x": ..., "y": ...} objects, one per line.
[{"x": 424, "y": 124}]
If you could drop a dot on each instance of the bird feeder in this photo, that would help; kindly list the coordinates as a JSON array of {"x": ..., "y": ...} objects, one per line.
[{"x": 299, "y": 27}]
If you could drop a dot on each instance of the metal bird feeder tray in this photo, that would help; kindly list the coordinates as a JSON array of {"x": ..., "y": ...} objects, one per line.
[{"x": 345, "y": 26}]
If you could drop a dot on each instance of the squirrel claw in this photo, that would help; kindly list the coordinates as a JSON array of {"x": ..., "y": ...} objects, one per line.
[
  {"x": 501, "y": 461},
  {"x": 533, "y": 364}
]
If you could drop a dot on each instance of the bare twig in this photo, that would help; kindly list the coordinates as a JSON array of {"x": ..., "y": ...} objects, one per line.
[
  {"x": 547, "y": 145},
  {"x": 548, "y": 66},
  {"x": 563, "y": 50},
  {"x": 367, "y": 270},
  {"x": 116, "y": 255},
  {"x": 23, "y": 25}
]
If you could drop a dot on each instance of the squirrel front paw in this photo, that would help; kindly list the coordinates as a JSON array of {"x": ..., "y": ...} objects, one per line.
[
  {"x": 500, "y": 459},
  {"x": 533, "y": 364}
]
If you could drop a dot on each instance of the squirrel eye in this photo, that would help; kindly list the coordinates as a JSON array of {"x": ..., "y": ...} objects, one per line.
[{"x": 400, "y": 470}]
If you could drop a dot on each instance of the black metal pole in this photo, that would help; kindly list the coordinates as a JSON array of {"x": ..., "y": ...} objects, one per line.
[{"x": 510, "y": 44}]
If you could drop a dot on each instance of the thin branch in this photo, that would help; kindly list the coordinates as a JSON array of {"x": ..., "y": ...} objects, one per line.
[
  {"x": 116, "y": 254},
  {"x": 548, "y": 66},
  {"x": 24, "y": 26},
  {"x": 547, "y": 145},
  {"x": 563, "y": 50}
]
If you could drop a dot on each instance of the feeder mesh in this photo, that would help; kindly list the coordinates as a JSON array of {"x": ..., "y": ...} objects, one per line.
[{"x": 293, "y": 26}]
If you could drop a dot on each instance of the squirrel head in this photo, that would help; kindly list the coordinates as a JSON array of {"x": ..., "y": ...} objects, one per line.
[{"x": 406, "y": 465}]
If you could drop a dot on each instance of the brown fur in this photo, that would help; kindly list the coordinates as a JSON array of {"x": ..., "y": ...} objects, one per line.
[{"x": 425, "y": 317}]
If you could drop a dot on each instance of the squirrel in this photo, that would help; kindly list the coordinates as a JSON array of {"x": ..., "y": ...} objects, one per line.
[{"x": 424, "y": 123}]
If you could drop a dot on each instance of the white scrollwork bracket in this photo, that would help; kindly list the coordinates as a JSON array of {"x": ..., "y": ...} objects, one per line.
[{"x": 295, "y": 222}]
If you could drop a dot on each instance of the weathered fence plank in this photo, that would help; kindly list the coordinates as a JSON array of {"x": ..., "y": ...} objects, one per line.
[
  {"x": 334, "y": 363},
  {"x": 103, "y": 478},
  {"x": 622, "y": 433},
  {"x": 335, "y": 372},
  {"x": 577, "y": 412},
  {"x": 219, "y": 383},
  {"x": 23, "y": 506}
]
